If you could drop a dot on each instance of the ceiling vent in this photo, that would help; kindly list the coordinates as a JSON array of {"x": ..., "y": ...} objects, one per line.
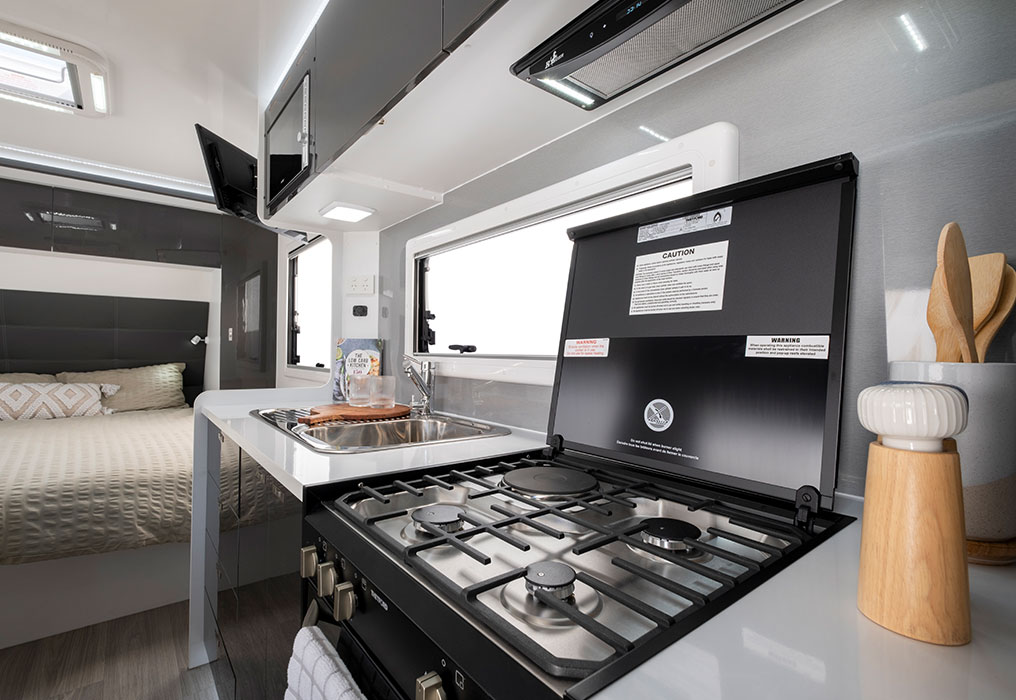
[
  {"x": 615, "y": 46},
  {"x": 42, "y": 71}
]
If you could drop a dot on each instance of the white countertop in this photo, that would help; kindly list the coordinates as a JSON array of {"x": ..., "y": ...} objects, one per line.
[
  {"x": 798, "y": 636},
  {"x": 295, "y": 465}
]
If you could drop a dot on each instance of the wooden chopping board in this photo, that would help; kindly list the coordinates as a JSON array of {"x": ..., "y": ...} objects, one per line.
[{"x": 342, "y": 411}]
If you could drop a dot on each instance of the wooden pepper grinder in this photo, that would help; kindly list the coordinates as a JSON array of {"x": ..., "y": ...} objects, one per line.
[{"x": 913, "y": 572}]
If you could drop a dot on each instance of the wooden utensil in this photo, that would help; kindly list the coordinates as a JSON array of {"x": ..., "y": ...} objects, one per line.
[
  {"x": 1005, "y": 305},
  {"x": 953, "y": 276},
  {"x": 341, "y": 411},
  {"x": 987, "y": 273}
]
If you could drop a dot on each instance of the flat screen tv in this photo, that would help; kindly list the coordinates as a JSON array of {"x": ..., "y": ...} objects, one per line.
[{"x": 233, "y": 175}]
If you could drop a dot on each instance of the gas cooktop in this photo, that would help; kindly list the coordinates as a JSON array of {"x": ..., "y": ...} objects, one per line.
[{"x": 576, "y": 566}]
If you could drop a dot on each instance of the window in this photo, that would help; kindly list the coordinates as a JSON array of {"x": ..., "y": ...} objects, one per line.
[
  {"x": 504, "y": 295},
  {"x": 477, "y": 277},
  {"x": 310, "y": 305},
  {"x": 43, "y": 71}
]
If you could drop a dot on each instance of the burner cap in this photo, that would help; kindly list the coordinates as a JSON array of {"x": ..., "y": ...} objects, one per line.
[
  {"x": 553, "y": 577},
  {"x": 443, "y": 517},
  {"x": 668, "y": 533},
  {"x": 549, "y": 481}
]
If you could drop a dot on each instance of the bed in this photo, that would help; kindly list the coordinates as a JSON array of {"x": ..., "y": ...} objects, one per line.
[{"x": 95, "y": 510}]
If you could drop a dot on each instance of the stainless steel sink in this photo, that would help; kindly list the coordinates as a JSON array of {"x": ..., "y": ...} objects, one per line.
[{"x": 341, "y": 437}]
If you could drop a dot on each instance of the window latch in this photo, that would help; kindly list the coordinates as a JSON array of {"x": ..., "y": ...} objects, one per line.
[{"x": 463, "y": 348}]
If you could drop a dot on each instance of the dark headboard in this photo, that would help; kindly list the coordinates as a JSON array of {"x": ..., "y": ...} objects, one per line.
[{"x": 49, "y": 333}]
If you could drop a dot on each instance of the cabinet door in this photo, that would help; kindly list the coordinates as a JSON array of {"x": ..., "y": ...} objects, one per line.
[
  {"x": 282, "y": 588},
  {"x": 26, "y": 211},
  {"x": 369, "y": 55},
  {"x": 222, "y": 671},
  {"x": 460, "y": 16}
]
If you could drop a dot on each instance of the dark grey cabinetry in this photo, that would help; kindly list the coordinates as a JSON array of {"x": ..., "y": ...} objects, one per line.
[
  {"x": 25, "y": 215},
  {"x": 256, "y": 586},
  {"x": 369, "y": 55},
  {"x": 461, "y": 17}
]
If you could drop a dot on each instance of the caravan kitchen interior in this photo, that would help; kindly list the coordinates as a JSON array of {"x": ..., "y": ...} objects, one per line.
[{"x": 497, "y": 349}]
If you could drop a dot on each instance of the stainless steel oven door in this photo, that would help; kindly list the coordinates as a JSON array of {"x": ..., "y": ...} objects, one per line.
[{"x": 288, "y": 145}]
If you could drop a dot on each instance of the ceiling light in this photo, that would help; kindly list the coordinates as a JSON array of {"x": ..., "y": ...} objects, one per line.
[
  {"x": 99, "y": 92},
  {"x": 43, "y": 105},
  {"x": 567, "y": 91},
  {"x": 340, "y": 211},
  {"x": 29, "y": 44},
  {"x": 654, "y": 134},
  {"x": 916, "y": 38}
]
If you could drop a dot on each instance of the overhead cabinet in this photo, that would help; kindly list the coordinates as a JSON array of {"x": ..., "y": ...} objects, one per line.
[{"x": 359, "y": 61}]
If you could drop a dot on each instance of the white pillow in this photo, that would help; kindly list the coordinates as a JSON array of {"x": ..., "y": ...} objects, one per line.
[{"x": 42, "y": 401}]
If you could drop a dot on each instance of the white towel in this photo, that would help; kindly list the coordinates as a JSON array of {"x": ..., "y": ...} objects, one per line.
[{"x": 316, "y": 672}]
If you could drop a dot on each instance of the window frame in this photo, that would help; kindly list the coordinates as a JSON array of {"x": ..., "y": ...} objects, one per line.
[
  {"x": 709, "y": 156},
  {"x": 291, "y": 330}
]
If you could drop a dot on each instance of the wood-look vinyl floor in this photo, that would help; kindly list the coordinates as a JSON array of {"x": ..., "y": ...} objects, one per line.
[{"x": 138, "y": 657}]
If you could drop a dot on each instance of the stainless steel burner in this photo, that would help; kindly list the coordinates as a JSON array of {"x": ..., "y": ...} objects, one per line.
[
  {"x": 517, "y": 600},
  {"x": 551, "y": 577},
  {"x": 443, "y": 517},
  {"x": 551, "y": 483},
  {"x": 669, "y": 533}
]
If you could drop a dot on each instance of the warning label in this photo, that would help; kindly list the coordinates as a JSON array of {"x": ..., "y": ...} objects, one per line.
[
  {"x": 812, "y": 347},
  {"x": 679, "y": 281},
  {"x": 586, "y": 347},
  {"x": 686, "y": 224}
]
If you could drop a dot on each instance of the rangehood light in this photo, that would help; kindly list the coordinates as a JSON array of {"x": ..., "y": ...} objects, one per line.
[
  {"x": 340, "y": 211},
  {"x": 570, "y": 92}
]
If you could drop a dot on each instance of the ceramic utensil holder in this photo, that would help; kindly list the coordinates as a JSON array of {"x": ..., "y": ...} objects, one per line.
[
  {"x": 988, "y": 446},
  {"x": 913, "y": 569}
]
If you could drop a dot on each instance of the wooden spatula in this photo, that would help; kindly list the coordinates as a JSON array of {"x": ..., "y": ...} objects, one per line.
[
  {"x": 987, "y": 272},
  {"x": 950, "y": 306},
  {"x": 1005, "y": 305}
]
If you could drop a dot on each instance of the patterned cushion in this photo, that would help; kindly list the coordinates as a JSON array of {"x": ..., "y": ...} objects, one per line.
[
  {"x": 26, "y": 378},
  {"x": 43, "y": 401},
  {"x": 141, "y": 388}
]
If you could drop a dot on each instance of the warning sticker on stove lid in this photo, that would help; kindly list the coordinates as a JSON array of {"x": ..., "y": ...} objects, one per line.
[
  {"x": 810, "y": 347},
  {"x": 686, "y": 224},
  {"x": 586, "y": 347}
]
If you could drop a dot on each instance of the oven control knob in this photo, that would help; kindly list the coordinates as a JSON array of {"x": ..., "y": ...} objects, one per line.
[
  {"x": 344, "y": 601},
  {"x": 308, "y": 561},
  {"x": 428, "y": 687},
  {"x": 325, "y": 578}
]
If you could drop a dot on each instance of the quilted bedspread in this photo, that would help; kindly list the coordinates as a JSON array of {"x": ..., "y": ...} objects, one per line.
[{"x": 94, "y": 484}]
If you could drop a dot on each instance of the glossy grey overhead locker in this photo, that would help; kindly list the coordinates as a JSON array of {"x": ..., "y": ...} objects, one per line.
[
  {"x": 24, "y": 215},
  {"x": 359, "y": 78},
  {"x": 462, "y": 15}
]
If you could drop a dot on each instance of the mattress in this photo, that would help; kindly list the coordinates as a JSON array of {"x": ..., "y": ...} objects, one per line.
[{"x": 96, "y": 484}]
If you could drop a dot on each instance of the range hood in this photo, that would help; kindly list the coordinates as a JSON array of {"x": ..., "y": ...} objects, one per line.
[{"x": 617, "y": 45}]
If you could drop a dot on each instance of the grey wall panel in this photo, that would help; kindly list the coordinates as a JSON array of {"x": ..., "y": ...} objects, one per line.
[
  {"x": 48, "y": 332},
  {"x": 932, "y": 129}
]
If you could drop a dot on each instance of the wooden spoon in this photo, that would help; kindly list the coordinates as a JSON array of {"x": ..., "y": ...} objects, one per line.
[
  {"x": 955, "y": 281},
  {"x": 987, "y": 273},
  {"x": 1005, "y": 305}
]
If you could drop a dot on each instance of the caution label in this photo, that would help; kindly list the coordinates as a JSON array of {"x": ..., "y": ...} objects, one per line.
[
  {"x": 586, "y": 347},
  {"x": 680, "y": 281},
  {"x": 811, "y": 347}
]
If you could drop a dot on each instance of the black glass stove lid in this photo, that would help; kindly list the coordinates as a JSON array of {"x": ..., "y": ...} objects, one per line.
[{"x": 705, "y": 337}]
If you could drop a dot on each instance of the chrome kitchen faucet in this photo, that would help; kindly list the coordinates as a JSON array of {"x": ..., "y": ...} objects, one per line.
[{"x": 423, "y": 379}]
